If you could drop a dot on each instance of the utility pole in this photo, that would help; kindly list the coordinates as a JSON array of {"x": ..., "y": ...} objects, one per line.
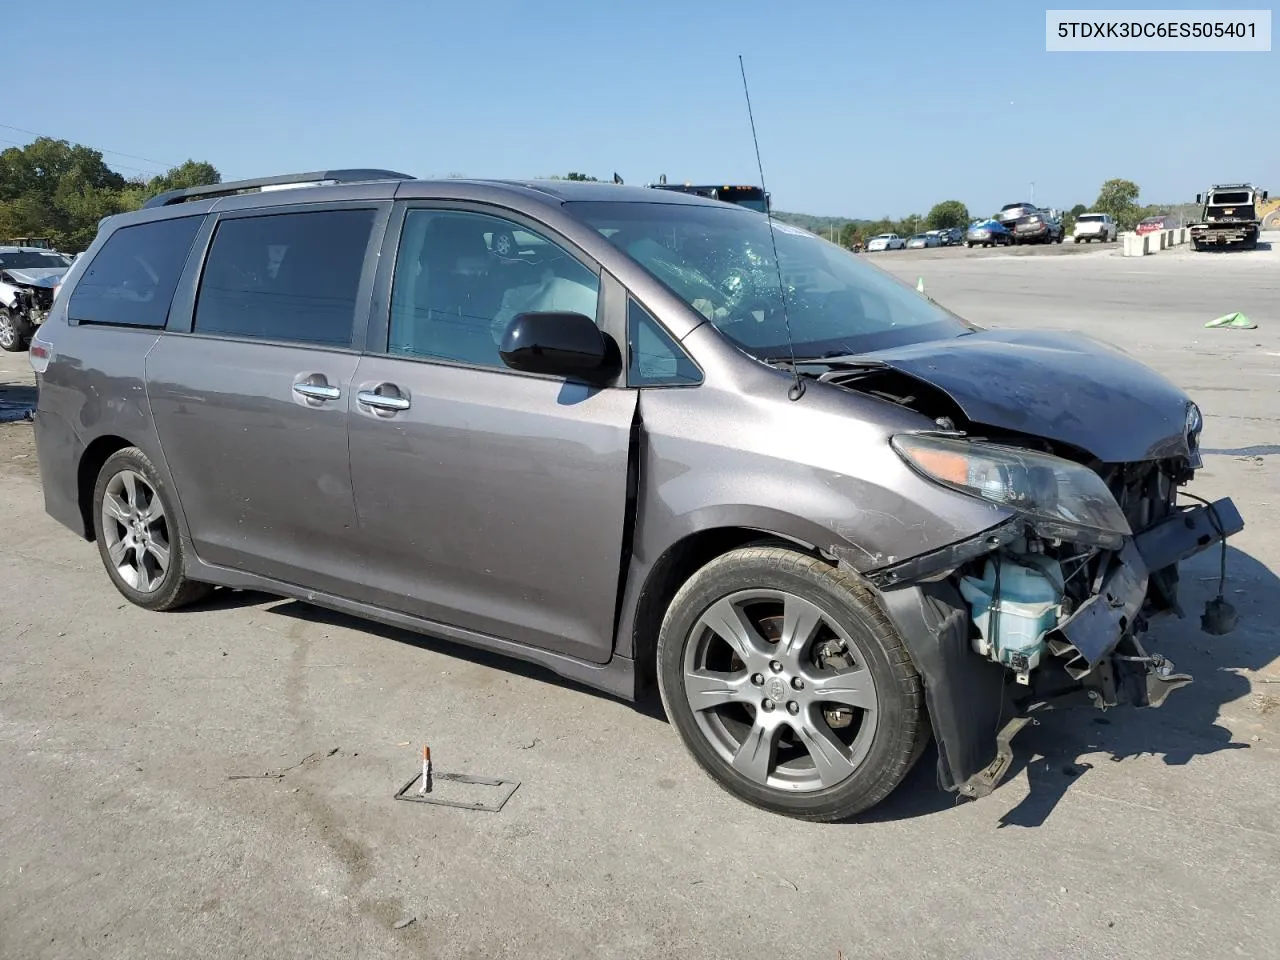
[{"x": 1033, "y": 192}]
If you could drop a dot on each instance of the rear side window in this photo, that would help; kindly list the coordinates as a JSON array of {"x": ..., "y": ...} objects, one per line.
[
  {"x": 285, "y": 276},
  {"x": 130, "y": 282}
]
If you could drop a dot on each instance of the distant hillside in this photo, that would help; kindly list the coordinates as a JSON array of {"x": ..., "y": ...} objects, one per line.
[{"x": 823, "y": 226}]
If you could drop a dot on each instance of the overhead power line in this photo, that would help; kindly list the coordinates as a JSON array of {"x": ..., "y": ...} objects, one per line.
[{"x": 114, "y": 153}]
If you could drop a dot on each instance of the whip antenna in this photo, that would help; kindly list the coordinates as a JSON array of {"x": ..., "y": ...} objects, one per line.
[{"x": 797, "y": 389}]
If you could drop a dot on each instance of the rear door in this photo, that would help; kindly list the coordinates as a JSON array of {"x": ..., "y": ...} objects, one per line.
[
  {"x": 249, "y": 389},
  {"x": 489, "y": 500}
]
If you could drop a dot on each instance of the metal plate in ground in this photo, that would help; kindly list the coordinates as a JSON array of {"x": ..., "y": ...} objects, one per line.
[{"x": 461, "y": 790}]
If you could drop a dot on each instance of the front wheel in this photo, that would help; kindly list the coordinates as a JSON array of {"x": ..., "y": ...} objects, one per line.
[
  {"x": 14, "y": 332},
  {"x": 137, "y": 534},
  {"x": 789, "y": 685}
]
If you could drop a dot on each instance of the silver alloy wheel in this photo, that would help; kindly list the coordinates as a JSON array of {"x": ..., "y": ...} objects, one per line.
[
  {"x": 135, "y": 531},
  {"x": 763, "y": 702},
  {"x": 8, "y": 331}
]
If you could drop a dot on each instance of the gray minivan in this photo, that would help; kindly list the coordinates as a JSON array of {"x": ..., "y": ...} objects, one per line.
[{"x": 632, "y": 436}]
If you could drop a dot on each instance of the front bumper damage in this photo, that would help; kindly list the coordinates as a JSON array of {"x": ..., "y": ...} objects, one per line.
[{"x": 1096, "y": 654}]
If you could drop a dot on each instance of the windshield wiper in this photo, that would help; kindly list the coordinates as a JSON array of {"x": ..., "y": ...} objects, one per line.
[{"x": 835, "y": 360}]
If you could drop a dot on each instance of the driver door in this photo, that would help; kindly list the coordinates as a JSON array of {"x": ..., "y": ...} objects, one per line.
[{"x": 488, "y": 500}]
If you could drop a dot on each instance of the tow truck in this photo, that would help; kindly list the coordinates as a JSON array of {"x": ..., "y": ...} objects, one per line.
[
  {"x": 753, "y": 198},
  {"x": 1229, "y": 216}
]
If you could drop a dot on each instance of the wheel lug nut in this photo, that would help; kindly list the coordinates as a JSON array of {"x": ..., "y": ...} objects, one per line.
[
  {"x": 775, "y": 666},
  {"x": 792, "y": 707},
  {"x": 797, "y": 683},
  {"x": 767, "y": 706},
  {"x": 757, "y": 679}
]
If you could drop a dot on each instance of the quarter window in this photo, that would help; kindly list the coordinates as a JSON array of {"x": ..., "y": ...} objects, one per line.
[
  {"x": 461, "y": 277},
  {"x": 285, "y": 276},
  {"x": 654, "y": 358},
  {"x": 130, "y": 282}
]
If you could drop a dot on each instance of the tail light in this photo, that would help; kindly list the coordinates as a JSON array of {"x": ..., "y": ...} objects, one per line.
[{"x": 39, "y": 353}]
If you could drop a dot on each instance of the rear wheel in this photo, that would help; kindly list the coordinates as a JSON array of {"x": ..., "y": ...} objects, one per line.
[
  {"x": 137, "y": 535},
  {"x": 14, "y": 332},
  {"x": 789, "y": 685}
]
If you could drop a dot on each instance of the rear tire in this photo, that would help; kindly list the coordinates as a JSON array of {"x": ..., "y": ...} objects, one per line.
[
  {"x": 742, "y": 683},
  {"x": 134, "y": 523}
]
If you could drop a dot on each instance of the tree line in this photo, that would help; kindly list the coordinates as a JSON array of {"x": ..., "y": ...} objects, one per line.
[{"x": 52, "y": 188}]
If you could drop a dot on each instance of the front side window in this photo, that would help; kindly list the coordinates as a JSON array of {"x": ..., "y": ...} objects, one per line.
[
  {"x": 285, "y": 276},
  {"x": 130, "y": 281},
  {"x": 720, "y": 261},
  {"x": 461, "y": 277}
]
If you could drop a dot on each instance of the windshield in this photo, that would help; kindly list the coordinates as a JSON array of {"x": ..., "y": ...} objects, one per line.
[
  {"x": 1225, "y": 198},
  {"x": 720, "y": 262},
  {"x": 28, "y": 260}
]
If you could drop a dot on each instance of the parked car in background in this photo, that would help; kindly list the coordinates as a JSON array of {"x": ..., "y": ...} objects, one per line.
[
  {"x": 954, "y": 235},
  {"x": 1094, "y": 226},
  {"x": 29, "y": 277},
  {"x": 1162, "y": 221},
  {"x": 886, "y": 241},
  {"x": 987, "y": 233},
  {"x": 924, "y": 240},
  {"x": 1038, "y": 227},
  {"x": 1011, "y": 213}
]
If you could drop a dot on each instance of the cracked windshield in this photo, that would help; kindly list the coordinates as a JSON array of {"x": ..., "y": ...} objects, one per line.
[{"x": 721, "y": 263}]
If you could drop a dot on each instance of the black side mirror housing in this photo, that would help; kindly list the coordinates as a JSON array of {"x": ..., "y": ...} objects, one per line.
[
  {"x": 1197, "y": 198},
  {"x": 560, "y": 345}
]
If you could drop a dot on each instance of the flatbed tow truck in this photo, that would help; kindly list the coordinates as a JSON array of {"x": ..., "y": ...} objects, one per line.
[{"x": 1229, "y": 217}]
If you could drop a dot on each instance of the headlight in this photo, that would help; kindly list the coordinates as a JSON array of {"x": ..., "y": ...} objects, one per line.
[
  {"x": 1063, "y": 498},
  {"x": 1194, "y": 424}
]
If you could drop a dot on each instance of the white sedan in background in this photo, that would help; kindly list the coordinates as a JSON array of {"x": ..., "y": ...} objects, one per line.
[{"x": 886, "y": 241}]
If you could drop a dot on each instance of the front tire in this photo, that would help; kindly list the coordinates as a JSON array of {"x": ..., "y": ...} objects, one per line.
[
  {"x": 789, "y": 685},
  {"x": 137, "y": 534},
  {"x": 14, "y": 332}
]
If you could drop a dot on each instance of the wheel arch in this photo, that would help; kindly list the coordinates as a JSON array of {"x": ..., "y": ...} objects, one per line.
[
  {"x": 91, "y": 461},
  {"x": 654, "y": 585}
]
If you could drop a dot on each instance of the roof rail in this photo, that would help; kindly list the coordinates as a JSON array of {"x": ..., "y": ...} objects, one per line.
[{"x": 239, "y": 186}]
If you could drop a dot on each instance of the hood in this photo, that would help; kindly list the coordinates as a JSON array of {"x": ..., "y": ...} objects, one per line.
[
  {"x": 1064, "y": 387},
  {"x": 36, "y": 276}
]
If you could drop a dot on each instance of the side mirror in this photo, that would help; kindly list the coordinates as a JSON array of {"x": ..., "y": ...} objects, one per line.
[
  {"x": 1264, "y": 195},
  {"x": 560, "y": 345},
  {"x": 1197, "y": 199}
]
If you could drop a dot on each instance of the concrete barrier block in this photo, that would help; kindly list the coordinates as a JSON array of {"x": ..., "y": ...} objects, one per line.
[{"x": 1134, "y": 245}]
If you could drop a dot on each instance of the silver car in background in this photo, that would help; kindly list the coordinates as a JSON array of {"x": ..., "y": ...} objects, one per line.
[
  {"x": 601, "y": 428},
  {"x": 1094, "y": 226}
]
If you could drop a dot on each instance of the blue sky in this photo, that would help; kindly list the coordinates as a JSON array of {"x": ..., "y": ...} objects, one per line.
[{"x": 863, "y": 109}]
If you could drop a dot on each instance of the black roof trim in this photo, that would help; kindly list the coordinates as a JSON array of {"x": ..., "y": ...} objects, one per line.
[{"x": 239, "y": 186}]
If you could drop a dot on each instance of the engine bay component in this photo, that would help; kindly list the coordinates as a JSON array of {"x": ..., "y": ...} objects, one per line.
[{"x": 1014, "y": 605}]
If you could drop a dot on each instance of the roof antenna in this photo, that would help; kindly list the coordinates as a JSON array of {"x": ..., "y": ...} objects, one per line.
[{"x": 797, "y": 388}]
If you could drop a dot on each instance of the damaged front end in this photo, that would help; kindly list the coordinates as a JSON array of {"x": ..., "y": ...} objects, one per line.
[
  {"x": 26, "y": 297},
  {"x": 1050, "y": 607}
]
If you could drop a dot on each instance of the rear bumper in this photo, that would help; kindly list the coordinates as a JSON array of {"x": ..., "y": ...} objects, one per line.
[{"x": 58, "y": 448}]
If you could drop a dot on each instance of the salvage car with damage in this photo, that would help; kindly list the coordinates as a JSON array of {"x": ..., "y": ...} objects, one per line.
[
  {"x": 28, "y": 279},
  {"x": 668, "y": 441}
]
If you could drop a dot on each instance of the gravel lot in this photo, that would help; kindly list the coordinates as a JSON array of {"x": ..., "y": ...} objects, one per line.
[{"x": 122, "y": 835}]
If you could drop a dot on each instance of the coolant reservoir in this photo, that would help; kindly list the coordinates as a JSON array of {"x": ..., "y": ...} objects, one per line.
[{"x": 1012, "y": 629}]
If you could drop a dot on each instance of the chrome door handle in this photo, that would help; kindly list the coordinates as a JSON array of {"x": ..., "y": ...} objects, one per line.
[
  {"x": 381, "y": 401},
  {"x": 317, "y": 391}
]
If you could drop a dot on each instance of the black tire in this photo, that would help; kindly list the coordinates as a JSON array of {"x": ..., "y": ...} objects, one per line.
[
  {"x": 901, "y": 730},
  {"x": 173, "y": 590},
  {"x": 14, "y": 332},
  {"x": 969, "y": 244}
]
